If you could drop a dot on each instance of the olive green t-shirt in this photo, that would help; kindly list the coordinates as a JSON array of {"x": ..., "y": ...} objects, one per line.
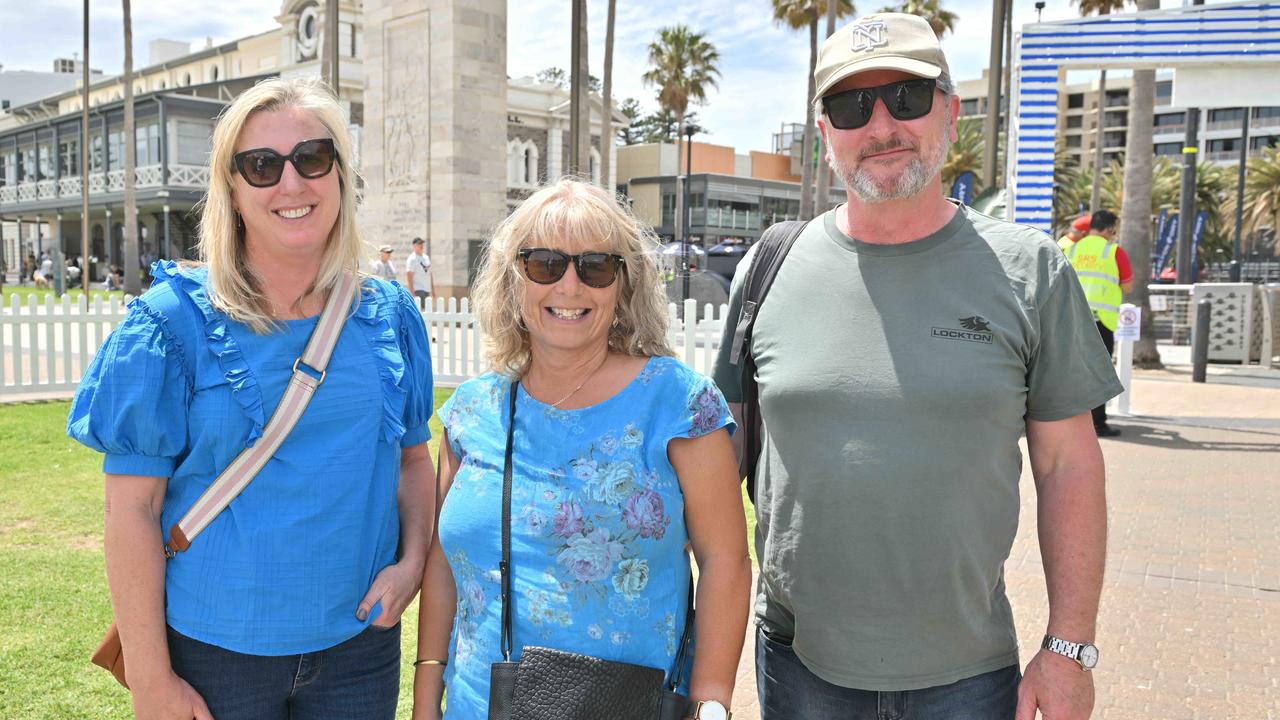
[{"x": 895, "y": 381}]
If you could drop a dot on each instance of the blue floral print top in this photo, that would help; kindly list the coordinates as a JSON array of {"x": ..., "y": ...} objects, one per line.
[{"x": 597, "y": 523}]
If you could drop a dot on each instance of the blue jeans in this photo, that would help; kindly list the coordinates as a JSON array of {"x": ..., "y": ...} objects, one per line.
[
  {"x": 789, "y": 691},
  {"x": 354, "y": 680}
]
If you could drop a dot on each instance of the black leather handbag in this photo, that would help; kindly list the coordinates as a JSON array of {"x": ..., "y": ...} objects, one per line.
[{"x": 550, "y": 684}]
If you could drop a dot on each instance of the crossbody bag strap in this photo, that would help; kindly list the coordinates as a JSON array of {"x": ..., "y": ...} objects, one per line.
[
  {"x": 308, "y": 374},
  {"x": 506, "y": 644}
]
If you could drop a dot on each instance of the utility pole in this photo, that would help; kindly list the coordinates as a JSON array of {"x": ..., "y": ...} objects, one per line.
[{"x": 1187, "y": 203}]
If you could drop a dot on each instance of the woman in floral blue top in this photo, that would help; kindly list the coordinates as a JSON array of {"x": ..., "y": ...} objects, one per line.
[{"x": 621, "y": 461}]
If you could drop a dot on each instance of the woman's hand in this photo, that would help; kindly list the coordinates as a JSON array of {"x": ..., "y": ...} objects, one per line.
[
  {"x": 395, "y": 588},
  {"x": 169, "y": 698}
]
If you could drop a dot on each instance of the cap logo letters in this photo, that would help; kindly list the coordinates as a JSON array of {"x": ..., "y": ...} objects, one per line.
[{"x": 868, "y": 36}]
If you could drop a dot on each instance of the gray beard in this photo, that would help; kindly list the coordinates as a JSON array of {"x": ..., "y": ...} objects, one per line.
[{"x": 915, "y": 176}]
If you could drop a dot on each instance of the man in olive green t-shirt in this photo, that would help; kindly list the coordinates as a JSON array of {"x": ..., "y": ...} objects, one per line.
[{"x": 905, "y": 346}]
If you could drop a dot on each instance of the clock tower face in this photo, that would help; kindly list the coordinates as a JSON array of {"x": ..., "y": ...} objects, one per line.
[{"x": 308, "y": 31}]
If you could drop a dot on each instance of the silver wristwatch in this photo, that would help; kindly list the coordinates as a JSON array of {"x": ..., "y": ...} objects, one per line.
[{"x": 1086, "y": 654}]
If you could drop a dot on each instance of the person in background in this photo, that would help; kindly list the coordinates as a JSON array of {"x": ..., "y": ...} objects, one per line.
[
  {"x": 1079, "y": 228},
  {"x": 383, "y": 268},
  {"x": 418, "y": 269},
  {"x": 1106, "y": 275}
]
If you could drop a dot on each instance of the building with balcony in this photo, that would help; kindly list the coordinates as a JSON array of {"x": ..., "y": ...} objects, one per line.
[
  {"x": 178, "y": 94},
  {"x": 733, "y": 196},
  {"x": 1081, "y": 108}
]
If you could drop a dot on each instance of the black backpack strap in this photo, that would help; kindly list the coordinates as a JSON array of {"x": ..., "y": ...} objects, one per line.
[{"x": 772, "y": 250}]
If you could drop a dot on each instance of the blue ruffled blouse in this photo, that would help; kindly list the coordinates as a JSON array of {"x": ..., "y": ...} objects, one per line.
[{"x": 179, "y": 389}]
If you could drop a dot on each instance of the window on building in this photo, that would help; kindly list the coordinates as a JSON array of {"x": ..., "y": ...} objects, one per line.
[
  {"x": 1075, "y": 121},
  {"x": 1226, "y": 115},
  {"x": 1265, "y": 141},
  {"x": 115, "y": 150},
  {"x": 1075, "y": 100},
  {"x": 192, "y": 140},
  {"x": 1113, "y": 139},
  {"x": 969, "y": 107},
  {"x": 1074, "y": 141},
  {"x": 1164, "y": 90},
  {"x": 1168, "y": 148},
  {"x": 1266, "y": 112},
  {"x": 69, "y": 157},
  {"x": 669, "y": 209},
  {"x": 1117, "y": 98},
  {"x": 1168, "y": 119},
  {"x": 1224, "y": 145},
  {"x": 95, "y": 151},
  {"x": 46, "y": 159},
  {"x": 213, "y": 73},
  {"x": 147, "y": 144}
]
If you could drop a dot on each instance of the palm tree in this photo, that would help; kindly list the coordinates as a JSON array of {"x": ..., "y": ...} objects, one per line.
[
  {"x": 1099, "y": 7},
  {"x": 941, "y": 20},
  {"x": 965, "y": 154},
  {"x": 798, "y": 14},
  {"x": 1262, "y": 190},
  {"x": 607, "y": 140},
  {"x": 132, "y": 281},
  {"x": 683, "y": 67},
  {"x": 822, "y": 198}
]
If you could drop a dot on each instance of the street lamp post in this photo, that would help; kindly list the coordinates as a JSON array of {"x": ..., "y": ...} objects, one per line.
[{"x": 688, "y": 211}]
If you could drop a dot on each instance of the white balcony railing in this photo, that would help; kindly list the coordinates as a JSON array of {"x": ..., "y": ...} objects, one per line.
[{"x": 147, "y": 176}]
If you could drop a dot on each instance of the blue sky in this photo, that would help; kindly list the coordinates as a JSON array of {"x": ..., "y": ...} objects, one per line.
[{"x": 763, "y": 66}]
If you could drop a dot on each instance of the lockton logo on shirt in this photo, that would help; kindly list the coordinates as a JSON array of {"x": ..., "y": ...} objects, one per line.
[{"x": 972, "y": 329}]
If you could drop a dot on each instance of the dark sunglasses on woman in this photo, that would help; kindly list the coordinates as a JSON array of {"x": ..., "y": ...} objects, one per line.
[
  {"x": 906, "y": 100},
  {"x": 263, "y": 167},
  {"x": 546, "y": 266}
]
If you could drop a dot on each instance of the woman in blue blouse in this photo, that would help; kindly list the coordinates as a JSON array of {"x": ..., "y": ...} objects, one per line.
[
  {"x": 288, "y": 604},
  {"x": 622, "y": 459}
]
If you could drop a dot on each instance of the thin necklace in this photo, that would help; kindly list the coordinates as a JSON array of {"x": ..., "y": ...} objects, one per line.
[{"x": 574, "y": 391}]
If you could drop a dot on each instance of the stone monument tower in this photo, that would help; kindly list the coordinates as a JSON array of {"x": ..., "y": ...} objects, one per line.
[{"x": 435, "y": 128}]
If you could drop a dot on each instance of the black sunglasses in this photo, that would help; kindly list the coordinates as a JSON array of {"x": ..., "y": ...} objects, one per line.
[
  {"x": 263, "y": 167},
  {"x": 906, "y": 100},
  {"x": 546, "y": 266}
]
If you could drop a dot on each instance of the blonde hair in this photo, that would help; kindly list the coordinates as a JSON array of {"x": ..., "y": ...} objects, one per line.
[
  {"x": 235, "y": 288},
  {"x": 578, "y": 212}
]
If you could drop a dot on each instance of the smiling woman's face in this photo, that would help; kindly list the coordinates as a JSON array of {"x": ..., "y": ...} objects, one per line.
[
  {"x": 296, "y": 215},
  {"x": 569, "y": 315}
]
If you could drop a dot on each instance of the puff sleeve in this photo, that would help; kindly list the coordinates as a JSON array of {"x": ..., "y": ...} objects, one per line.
[
  {"x": 131, "y": 405},
  {"x": 417, "y": 382}
]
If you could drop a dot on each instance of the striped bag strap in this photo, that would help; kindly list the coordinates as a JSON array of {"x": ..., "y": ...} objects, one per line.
[{"x": 308, "y": 373}]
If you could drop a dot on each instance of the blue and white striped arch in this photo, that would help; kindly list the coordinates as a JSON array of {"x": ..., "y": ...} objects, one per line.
[{"x": 1241, "y": 34}]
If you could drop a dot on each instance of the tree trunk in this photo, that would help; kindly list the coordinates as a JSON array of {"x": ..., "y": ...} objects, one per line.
[
  {"x": 1096, "y": 191},
  {"x": 584, "y": 99},
  {"x": 132, "y": 278},
  {"x": 680, "y": 180},
  {"x": 1135, "y": 210},
  {"x": 607, "y": 140},
  {"x": 806, "y": 146},
  {"x": 822, "y": 199}
]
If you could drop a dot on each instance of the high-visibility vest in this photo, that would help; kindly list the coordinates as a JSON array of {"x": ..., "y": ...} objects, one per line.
[
  {"x": 1094, "y": 259},
  {"x": 1065, "y": 242}
]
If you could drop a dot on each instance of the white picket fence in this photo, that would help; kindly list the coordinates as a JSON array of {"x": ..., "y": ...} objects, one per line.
[{"x": 45, "y": 347}]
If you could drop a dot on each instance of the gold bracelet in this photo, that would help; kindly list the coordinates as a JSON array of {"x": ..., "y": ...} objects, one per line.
[{"x": 441, "y": 663}]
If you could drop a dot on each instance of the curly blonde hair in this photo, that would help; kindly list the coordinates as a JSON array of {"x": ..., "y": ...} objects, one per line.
[
  {"x": 581, "y": 213},
  {"x": 236, "y": 288}
]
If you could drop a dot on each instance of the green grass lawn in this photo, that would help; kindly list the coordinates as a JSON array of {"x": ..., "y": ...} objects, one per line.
[
  {"x": 53, "y": 590},
  {"x": 24, "y": 292}
]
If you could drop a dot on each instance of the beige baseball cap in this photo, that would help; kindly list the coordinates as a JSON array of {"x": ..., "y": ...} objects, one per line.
[{"x": 884, "y": 41}]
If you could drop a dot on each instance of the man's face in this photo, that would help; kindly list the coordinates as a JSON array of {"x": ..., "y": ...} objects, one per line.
[
  {"x": 890, "y": 159},
  {"x": 386, "y": 256},
  {"x": 417, "y": 248}
]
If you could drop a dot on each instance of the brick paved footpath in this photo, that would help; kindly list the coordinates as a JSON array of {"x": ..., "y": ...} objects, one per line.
[{"x": 1189, "y": 626}]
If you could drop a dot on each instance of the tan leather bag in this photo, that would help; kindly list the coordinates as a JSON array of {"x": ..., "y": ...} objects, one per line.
[{"x": 229, "y": 484}]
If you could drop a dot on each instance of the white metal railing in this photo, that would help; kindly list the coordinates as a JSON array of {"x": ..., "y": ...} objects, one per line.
[
  {"x": 68, "y": 187},
  {"x": 46, "y": 346},
  {"x": 1171, "y": 315}
]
